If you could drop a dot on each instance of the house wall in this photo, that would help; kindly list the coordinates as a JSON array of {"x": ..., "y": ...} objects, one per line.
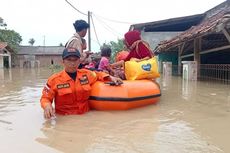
[
  {"x": 169, "y": 57},
  {"x": 5, "y": 59},
  {"x": 41, "y": 60},
  {"x": 154, "y": 38},
  {"x": 1, "y": 61},
  {"x": 219, "y": 57},
  {"x": 45, "y": 60}
]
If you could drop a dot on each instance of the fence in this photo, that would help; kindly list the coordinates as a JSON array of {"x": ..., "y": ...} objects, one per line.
[
  {"x": 220, "y": 72},
  {"x": 217, "y": 72}
]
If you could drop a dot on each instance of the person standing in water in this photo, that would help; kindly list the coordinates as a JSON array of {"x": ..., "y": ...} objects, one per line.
[{"x": 70, "y": 88}]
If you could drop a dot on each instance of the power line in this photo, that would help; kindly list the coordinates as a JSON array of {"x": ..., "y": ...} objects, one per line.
[
  {"x": 116, "y": 21},
  {"x": 75, "y": 8},
  {"x": 95, "y": 31},
  {"x": 108, "y": 27},
  {"x": 101, "y": 21}
]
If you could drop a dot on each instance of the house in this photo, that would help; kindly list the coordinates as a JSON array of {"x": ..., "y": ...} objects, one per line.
[
  {"x": 5, "y": 55},
  {"x": 204, "y": 38},
  {"x": 206, "y": 43},
  {"x": 157, "y": 31},
  {"x": 39, "y": 56}
]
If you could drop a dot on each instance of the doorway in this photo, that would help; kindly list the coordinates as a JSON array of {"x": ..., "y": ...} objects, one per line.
[{"x": 6, "y": 62}]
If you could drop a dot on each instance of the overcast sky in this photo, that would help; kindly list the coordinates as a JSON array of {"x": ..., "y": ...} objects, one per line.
[{"x": 50, "y": 22}]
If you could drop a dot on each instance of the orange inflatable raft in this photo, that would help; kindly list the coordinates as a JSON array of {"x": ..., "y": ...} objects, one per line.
[{"x": 130, "y": 94}]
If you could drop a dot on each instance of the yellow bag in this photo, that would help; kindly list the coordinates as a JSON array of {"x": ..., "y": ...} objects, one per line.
[{"x": 146, "y": 69}]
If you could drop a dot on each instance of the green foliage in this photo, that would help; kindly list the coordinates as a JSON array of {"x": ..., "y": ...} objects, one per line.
[
  {"x": 31, "y": 41},
  {"x": 2, "y": 23},
  {"x": 115, "y": 47},
  {"x": 11, "y": 37}
]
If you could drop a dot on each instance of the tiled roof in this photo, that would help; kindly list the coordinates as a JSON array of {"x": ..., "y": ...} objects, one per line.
[
  {"x": 207, "y": 25},
  {"x": 3, "y": 45},
  {"x": 40, "y": 50},
  {"x": 159, "y": 25}
]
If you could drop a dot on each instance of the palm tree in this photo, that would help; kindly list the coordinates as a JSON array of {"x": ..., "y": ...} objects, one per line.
[
  {"x": 2, "y": 23},
  {"x": 31, "y": 41}
]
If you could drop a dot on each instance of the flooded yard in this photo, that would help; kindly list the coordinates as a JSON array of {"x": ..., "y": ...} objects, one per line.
[{"x": 192, "y": 116}]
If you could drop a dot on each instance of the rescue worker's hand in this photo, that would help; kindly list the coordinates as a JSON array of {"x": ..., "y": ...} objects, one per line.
[
  {"x": 49, "y": 111},
  {"x": 116, "y": 80}
]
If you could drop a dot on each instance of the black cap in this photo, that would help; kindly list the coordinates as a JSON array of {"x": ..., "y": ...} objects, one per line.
[
  {"x": 80, "y": 25},
  {"x": 70, "y": 52}
]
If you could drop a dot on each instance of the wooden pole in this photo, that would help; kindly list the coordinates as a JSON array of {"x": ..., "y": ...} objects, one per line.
[
  {"x": 197, "y": 49},
  {"x": 89, "y": 34}
]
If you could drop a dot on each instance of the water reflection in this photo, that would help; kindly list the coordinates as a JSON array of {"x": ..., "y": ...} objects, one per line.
[
  {"x": 95, "y": 132},
  {"x": 5, "y": 74},
  {"x": 228, "y": 103},
  {"x": 188, "y": 88},
  {"x": 166, "y": 82},
  {"x": 190, "y": 117},
  {"x": 178, "y": 136},
  {"x": 18, "y": 97}
]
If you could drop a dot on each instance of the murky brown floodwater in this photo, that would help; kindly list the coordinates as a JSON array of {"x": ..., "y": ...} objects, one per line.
[{"x": 190, "y": 117}]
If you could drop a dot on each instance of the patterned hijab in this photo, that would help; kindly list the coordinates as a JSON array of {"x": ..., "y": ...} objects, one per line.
[
  {"x": 135, "y": 44},
  {"x": 131, "y": 37}
]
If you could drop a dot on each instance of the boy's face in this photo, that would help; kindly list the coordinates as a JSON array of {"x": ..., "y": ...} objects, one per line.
[{"x": 83, "y": 32}]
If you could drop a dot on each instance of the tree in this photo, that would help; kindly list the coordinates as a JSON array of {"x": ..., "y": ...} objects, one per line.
[
  {"x": 31, "y": 41},
  {"x": 61, "y": 44},
  {"x": 115, "y": 47},
  {"x": 11, "y": 37},
  {"x": 2, "y": 23}
]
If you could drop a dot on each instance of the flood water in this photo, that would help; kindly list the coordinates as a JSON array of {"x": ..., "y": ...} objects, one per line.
[{"x": 191, "y": 117}]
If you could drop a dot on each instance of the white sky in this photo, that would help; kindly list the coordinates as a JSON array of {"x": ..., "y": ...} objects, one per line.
[{"x": 53, "y": 19}]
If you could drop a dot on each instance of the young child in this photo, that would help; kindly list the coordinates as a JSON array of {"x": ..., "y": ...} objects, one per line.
[
  {"x": 121, "y": 55},
  {"x": 119, "y": 70},
  {"x": 104, "y": 64},
  {"x": 93, "y": 65}
]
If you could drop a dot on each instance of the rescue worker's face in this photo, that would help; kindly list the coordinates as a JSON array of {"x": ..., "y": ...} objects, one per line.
[{"x": 71, "y": 63}]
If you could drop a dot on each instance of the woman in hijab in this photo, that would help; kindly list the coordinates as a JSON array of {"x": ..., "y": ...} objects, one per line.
[{"x": 138, "y": 49}]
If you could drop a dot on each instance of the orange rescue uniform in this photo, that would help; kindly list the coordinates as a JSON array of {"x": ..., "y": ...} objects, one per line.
[{"x": 70, "y": 97}]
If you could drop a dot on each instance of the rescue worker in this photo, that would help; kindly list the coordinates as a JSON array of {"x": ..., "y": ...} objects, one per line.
[{"x": 70, "y": 88}]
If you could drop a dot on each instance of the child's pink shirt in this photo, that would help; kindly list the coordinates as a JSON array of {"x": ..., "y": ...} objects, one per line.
[{"x": 104, "y": 63}]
